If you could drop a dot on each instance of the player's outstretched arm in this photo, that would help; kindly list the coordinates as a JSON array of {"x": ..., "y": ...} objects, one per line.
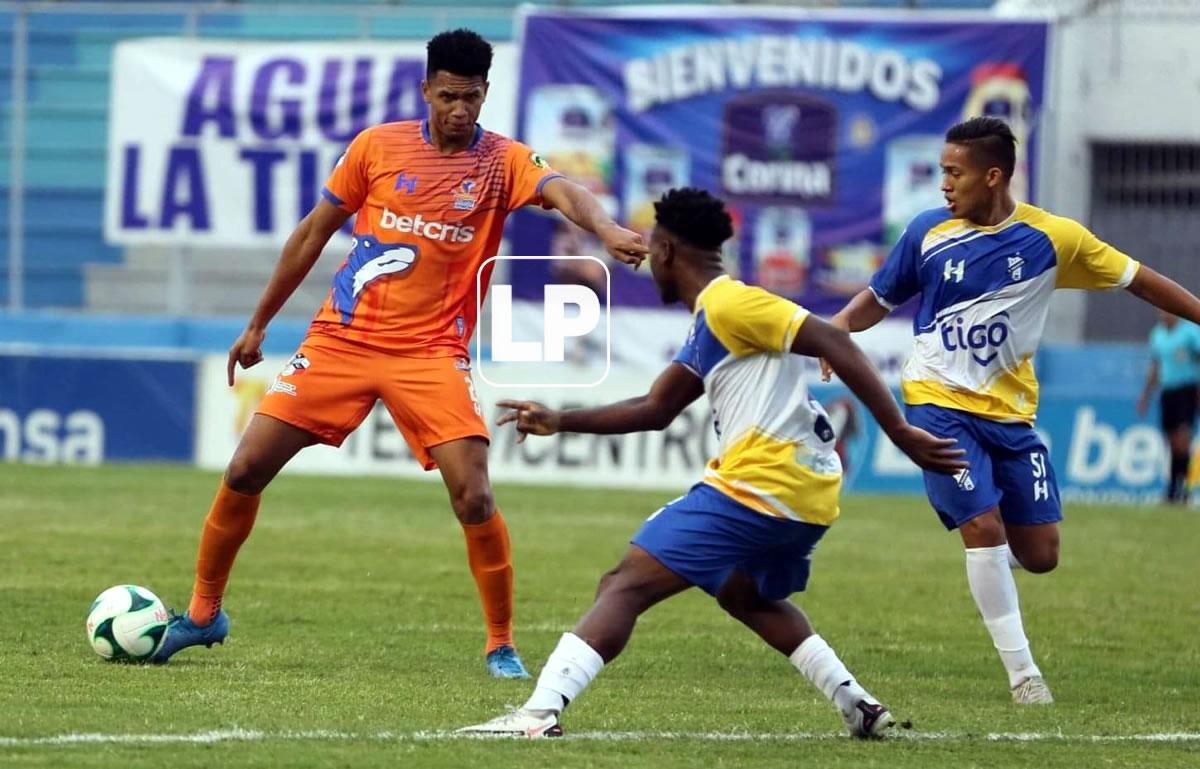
[
  {"x": 671, "y": 393},
  {"x": 1165, "y": 294},
  {"x": 860, "y": 313},
  {"x": 582, "y": 208},
  {"x": 300, "y": 253},
  {"x": 824, "y": 340}
]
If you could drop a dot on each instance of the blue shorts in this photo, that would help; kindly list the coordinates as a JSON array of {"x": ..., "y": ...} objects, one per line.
[
  {"x": 704, "y": 536},
  {"x": 1009, "y": 468}
]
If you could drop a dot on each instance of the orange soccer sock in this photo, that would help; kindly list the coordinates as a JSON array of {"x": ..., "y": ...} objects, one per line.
[
  {"x": 490, "y": 556},
  {"x": 228, "y": 524}
]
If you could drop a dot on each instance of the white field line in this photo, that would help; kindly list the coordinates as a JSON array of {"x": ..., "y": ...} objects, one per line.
[{"x": 253, "y": 735}]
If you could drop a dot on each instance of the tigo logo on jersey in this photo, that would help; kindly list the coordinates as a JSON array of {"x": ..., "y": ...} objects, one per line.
[
  {"x": 452, "y": 233},
  {"x": 550, "y": 361},
  {"x": 980, "y": 339}
]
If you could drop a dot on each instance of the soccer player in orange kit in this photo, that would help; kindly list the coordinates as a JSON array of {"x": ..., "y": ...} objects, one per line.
[{"x": 431, "y": 198}]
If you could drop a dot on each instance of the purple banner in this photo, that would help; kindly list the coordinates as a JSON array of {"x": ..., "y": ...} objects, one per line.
[{"x": 822, "y": 132}]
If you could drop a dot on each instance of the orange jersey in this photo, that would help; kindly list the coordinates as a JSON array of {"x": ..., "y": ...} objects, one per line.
[{"x": 426, "y": 223}]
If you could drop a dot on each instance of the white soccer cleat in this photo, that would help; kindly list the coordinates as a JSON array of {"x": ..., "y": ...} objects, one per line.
[
  {"x": 1032, "y": 691},
  {"x": 868, "y": 720},
  {"x": 531, "y": 724}
]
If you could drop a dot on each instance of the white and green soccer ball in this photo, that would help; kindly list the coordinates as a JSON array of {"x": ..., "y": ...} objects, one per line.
[{"x": 127, "y": 623}]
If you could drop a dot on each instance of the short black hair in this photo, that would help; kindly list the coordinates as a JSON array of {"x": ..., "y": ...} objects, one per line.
[
  {"x": 991, "y": 138},
  {"x": 695, "y": 217},
  {"x": 459, "y": 52}
]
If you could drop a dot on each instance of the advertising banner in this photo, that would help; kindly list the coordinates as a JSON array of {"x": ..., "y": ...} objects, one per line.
[
  {"x": 226, "y": 143},
  {"x": 646, "y": 339},
  {"x": 75, "y": 410},
  {"x": 1100, "y": 450},
  {"x": 822, "y": 131},
  {"x": 669, "y": 459}
]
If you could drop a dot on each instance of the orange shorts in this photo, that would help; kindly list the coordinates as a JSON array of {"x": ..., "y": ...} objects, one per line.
[{"x": 330, "y": 386}]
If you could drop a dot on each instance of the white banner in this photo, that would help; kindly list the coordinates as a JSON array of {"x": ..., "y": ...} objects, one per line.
[
  {"x": 644, "y": 341},
  {"x": 222, "y": 143},
  {"x": 647, "y": 339},
  {"x": 672, "y": 459}
]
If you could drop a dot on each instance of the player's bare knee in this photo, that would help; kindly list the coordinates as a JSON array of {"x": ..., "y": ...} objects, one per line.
[
  {"x": 606, "y": 580},
  {"x": 1037, "y": 554},
  {"x": 985, "y": 530},
  {"x": 625, "y": 588},
  {"x": 616, "y": 583},
  {"x": 733, "y": 602},
  {"x": 473, "y": 505},
  {"x": 1042, "y": 560},
  {"x": 740, "y": 599},
  {"x": 243, "y": 476}
]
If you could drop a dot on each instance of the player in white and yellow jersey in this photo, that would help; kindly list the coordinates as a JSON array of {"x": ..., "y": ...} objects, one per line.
[
  {"x": 746, "y": 533},
  {"x": 983, "y": 269}
]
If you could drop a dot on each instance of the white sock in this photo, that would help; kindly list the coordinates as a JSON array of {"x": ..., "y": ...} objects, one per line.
[
  {"x": 1013, "y": 563},
  {"x": 820, "y": 665},
  {"x": 571, "y": 667},
  {"x": 995, "y": 593}
]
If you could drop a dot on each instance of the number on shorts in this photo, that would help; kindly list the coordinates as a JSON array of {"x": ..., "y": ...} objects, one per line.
[
  {"x": 471, "y": 392},
  {"x": 1041, "y": 482}
]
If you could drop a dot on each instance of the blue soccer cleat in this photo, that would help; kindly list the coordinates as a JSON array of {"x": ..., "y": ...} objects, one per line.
[
  {"x": 502, "y": 662},
  {"x": 182, "y": 633}
]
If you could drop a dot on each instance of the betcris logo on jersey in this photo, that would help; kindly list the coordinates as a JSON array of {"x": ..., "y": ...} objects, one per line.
[
  {"x": 981, "y": 340},
  {"x": 416, "y": 225}
]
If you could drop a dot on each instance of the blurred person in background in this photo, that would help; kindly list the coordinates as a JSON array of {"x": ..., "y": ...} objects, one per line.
[{"x": 1175, "y": 371}]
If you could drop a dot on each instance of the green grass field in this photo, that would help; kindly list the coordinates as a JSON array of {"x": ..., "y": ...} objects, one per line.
[{"x": 357, "y": 636}]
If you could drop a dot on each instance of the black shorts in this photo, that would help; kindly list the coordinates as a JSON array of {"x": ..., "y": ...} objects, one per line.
[{"x": 1178, "y": 407}]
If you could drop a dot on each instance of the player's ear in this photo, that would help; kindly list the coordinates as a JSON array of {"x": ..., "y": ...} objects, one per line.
[
  {"x": 425, "y": 91},
  {"x": 995, "y": 177},
  {"x": 668, "y": 250}
]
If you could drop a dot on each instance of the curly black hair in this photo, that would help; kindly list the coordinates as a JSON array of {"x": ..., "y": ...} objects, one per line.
[
  {"x": 990, "y": 138},
  {"x": 459, "y": 52},
  {"x": 695, "y": 217}
]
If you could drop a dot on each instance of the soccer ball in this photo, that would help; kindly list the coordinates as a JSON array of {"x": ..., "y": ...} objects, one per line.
[{"x": 127, "y": 623}]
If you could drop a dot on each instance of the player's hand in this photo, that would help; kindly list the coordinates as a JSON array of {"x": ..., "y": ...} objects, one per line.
[
  {"x": 931, "y": 453},
  {"x": 625, "y": 245},
  {"x": 247, "y": 350},
  {"x": 532, "y": 418}
]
